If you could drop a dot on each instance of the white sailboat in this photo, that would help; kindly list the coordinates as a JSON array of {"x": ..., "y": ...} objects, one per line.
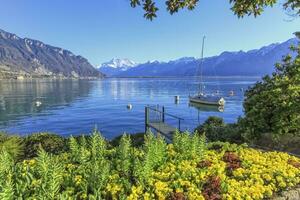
[{"x": 202, "y": 97}]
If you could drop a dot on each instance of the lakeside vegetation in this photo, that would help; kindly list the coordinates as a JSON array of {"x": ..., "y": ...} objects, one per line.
[{"x": 89, "y": 167}]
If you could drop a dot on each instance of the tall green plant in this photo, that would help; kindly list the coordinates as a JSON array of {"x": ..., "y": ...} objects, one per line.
[
  {"x": 12, "y": 145},
  {"x": 50, "y": 173},
  {"x": 189, "y": 146},
  {"x": 6, "y": 176},
  {"x": 155, "y": 156},
  {"x": 124, "y": 155},
  {"x": 98, "y": 168}
]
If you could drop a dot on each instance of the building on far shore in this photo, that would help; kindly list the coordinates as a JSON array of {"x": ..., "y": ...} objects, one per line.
[{"x": 20, "y": 77}]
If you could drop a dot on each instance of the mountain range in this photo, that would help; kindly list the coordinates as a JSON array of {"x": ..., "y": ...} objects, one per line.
[
  {"x": 32, "y": 58},
  {"x": 257, "y": 62},
  {"x": 116, "y": 66}
]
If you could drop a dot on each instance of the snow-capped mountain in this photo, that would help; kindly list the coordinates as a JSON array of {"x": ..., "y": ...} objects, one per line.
[
  {"x": 116, "y": 65},
  {"x": 183, "y": 60},
  {"x": 257, "y": 62}
]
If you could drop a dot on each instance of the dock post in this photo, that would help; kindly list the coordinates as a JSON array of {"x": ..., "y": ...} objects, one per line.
[
  {"x": 163, "y": 114},
  {"x": 146, "y": 119}
]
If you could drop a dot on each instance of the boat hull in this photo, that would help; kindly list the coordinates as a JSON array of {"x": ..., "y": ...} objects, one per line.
[
  {"x": 206, "y": 107},
  {"x": 217, "y": 101}
]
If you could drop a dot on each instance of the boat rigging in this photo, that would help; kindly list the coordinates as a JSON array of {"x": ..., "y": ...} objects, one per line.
[{"x": 201, "y": 97}]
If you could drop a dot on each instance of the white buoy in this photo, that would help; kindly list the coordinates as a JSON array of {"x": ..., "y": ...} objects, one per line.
[
  {"x": 129, "y": 106},
  {"x": 231, "y": 93},
  {"x": 38, "y": 103}
]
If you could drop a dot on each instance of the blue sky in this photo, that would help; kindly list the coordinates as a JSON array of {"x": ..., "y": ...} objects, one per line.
[{"x": 103, "y": 29}]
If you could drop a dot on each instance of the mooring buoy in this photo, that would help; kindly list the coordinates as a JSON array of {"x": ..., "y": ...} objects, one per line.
[
  {"x": 129, "y": 106},
  {"x": 38, "y": 103}
]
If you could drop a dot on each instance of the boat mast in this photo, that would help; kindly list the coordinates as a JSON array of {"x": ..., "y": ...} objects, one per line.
[{"x": 201, "y": 88}]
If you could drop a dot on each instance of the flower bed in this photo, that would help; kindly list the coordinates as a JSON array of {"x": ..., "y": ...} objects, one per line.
[{"x": 186, "y": 169}]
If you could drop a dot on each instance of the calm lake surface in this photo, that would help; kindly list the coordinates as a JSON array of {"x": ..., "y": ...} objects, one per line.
[{"x": 77, "y": 106}]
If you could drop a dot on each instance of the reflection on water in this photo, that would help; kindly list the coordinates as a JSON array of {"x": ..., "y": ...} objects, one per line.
[
  {"x": 207, "y": 108},
  {"x": 20, "y": 98},
  {"x": 77, "y": 106}
]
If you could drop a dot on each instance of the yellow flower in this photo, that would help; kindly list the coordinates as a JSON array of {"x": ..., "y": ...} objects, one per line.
[
  {"x": 83, "y": 196},
  {"x": 32, "y": 162},
  {"x": 136, "y": 192},
  {"x": 282, "y": 184},
  {"x": 161, "y": 189},
  {"x": 78, "y": 179}
]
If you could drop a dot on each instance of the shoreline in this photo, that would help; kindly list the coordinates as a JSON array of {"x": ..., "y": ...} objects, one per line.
[
  {"x": 179, "y": 77},
  {"x": 130, "y": 77},
  {"x": 53, "y": 78}
]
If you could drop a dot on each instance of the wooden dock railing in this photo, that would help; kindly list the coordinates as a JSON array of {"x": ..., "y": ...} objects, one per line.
[{"x": 155, "y": 118}]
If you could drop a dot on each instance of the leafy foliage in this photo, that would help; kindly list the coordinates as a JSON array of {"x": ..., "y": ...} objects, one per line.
[
  {"x": 6, "y": 175},
  {"x": 11, "y": 144},
  {"x": 215, "y": 129},
  {"x": 186, "y": 169},
  {"x": 293, "y": 6},
  {"x": 137, "y": 140},
  {"x": 239, "y": 7},
  {"x": 189, "y": 146},
  {"x": 124, "y": 155},
  {"x": 51, "y": 143},
  {"x": 154, "y": 155},
  {"x": 49, "y": 172},
  {"x": 273, "y": 105}
]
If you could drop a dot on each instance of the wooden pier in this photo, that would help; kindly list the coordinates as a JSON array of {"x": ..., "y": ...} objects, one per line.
[{"x": 156, "y": 118}]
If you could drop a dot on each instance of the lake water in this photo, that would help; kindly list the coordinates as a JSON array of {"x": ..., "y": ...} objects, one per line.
[{"x": 77, "y": 106}]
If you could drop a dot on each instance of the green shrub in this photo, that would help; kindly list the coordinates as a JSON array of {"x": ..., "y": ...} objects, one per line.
[
  {"x": 137, "y": 140},
  {"x": 215, "y": 129},
  {"x": 51, "y": 143},
  {"x": 272, "y": 105}
]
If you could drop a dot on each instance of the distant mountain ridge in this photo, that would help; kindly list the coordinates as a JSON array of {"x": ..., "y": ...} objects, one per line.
[
  {"x": 116, "y": 65},
  {"x": 32, "y": 58},
  {"x": 255, "y": 62}
]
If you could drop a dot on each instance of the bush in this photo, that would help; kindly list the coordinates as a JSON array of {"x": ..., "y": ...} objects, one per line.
[
  {"x": 51, "y": 143},
  {"x": 286, "y": 143},
  {"x": 272, "y": 105},
  {"x": 215, "y": 129},
  {"x": 137, "y": 140}
]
